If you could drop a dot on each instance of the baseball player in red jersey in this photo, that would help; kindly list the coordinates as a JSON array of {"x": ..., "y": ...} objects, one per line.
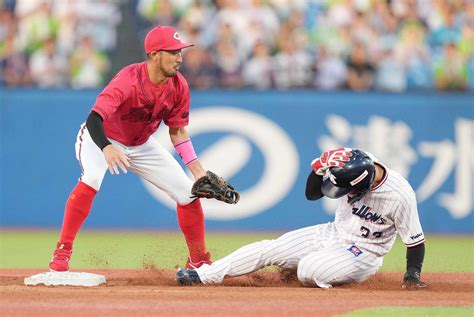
[{"x": 116, "y": 136}]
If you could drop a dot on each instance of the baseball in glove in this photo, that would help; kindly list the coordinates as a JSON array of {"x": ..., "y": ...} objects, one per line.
[{"x": 213, "y": 186}]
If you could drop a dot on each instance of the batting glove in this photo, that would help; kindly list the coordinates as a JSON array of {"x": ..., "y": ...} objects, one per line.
[
  {"x": 331, "y": 158},
  {"x": 411, "y": 280}
]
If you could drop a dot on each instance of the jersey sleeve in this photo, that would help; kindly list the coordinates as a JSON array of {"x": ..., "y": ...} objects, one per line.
[
  {"x": 179, "y": 116},
  {"x": 407, "y": 221},
  {"x": 113, "y": 95}
]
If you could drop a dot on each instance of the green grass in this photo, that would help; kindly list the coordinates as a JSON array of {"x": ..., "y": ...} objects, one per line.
[
  {"x": 413, "y": 312},
  {"x": 97, "y": 249}
]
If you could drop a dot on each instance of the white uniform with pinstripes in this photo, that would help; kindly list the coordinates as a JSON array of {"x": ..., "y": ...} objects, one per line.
[{"x": 350, "y": 249}]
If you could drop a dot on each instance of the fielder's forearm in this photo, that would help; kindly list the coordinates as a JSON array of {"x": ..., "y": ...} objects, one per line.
[
  {"x": 96, "y": 130},
  {"x": 184, "y": 147}
]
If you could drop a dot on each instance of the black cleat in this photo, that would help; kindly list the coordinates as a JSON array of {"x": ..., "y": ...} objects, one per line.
[{"x": 187, "y": 277}]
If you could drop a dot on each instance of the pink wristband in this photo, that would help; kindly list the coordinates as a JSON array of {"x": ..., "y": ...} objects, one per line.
[{"x": 186, "y": 152}]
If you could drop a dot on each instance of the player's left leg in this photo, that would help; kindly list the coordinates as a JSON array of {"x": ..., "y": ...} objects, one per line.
[
  {"x": 285, "y": 251},
  {"x": 153, "y": 163},
  {"x": 337, "y": 264},
  {"x": 191, "y": 222},
  {"x": 79, "y": 202}
]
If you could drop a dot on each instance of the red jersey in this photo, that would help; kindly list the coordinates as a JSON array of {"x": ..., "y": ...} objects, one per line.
[{"x": 132, "y": 106}]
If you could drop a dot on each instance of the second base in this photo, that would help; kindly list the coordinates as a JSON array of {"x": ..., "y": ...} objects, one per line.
[{"x": 66, "y": 278}]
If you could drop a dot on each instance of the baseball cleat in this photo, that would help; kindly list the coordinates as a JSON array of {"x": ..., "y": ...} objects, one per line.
[
  {"x": 206, "y": 259},
  {"x": 61, "y": 257},
  {"x": 187, "y": 277}
]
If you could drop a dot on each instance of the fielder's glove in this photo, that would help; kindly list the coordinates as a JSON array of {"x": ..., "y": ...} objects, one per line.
[
  {"x": 213, "y": 186},
  {"x": 330, "y": 158},
  {"x": 411, "y": 279}
]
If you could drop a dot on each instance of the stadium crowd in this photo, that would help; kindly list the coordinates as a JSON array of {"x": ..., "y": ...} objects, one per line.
[{"x": 388, "y": 45}]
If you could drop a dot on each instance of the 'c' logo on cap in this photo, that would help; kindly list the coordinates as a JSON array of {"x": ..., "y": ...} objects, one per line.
[{"x": 176, "y": 36}]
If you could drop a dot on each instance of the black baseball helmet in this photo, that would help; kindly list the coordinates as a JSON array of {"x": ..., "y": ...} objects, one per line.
[{"x": 354, "y": 177}]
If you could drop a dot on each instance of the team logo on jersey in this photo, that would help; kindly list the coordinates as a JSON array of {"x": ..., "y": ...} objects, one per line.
[
  {"x": 366, "y": 213},
  {"x": 355, "y": 250},
  {"x": 145, "y": 114}
]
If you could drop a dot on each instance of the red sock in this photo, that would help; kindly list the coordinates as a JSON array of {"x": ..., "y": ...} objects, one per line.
[
  {"x": 78, "y": 206},
  {"x": 191, "y": 222}
]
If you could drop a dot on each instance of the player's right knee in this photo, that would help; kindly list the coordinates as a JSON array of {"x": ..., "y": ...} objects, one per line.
[{"x": 92, "y": 182}]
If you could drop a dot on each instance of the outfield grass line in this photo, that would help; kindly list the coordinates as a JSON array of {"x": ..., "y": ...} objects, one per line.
[{"x": 133, "y": 249}]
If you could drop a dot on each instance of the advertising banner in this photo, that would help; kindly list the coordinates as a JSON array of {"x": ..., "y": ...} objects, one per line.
[{"x": 262, "y": 142}]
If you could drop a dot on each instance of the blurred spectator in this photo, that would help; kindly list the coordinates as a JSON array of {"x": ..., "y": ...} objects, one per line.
[
  {"x": 362, "y": 33},
  {"x": 381, "y": 18},
  {"x": 257, "y": 72},
  {"x": 88, "y": 66},
  {"x": 341, "y": 13},
  {"x": 36, "y": 24},
  {"x": 234, "y": 23},
  {"x": 264, "y": 20},
  {"x": 451, "y": 70},
  {"x": 7, "y": 26},
  {"x": 448, "y": 31},
  {"x": 294, "y": 27},
  {"x": 466, "y": 43},
  {"x": 200, "y": 72},
  {"x": 156, "y": 12},
  {"x": 228, "y": 64},
  {"x": 360, "y": 70},
  {"x": 413, "y": 53},
  {"x": 336, "y": 40},
  {"x": 66, "y": 13},
  {"x": 99, "y": 19},
  {"x": 197, "y": 15},
  {"x": 292, "y": 68},
  {"x": 331, "y": 71},
  {"x": 308, "y": 43},
  {"x": 390, "y": 75},
  {"x": 14, "y": 64},
  {"x": 227, "y": 58},
  {"x": 48, "y": 68}
]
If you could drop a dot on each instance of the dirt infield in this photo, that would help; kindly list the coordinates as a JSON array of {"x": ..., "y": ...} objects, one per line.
[{"x": 155, "y": 293}]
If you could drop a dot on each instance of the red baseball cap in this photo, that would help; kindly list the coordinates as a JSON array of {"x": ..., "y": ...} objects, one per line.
[{"x": 163, "y": 38}]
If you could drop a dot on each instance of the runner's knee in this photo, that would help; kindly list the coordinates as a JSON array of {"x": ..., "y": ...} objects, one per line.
[{"x": 312, "y": 272}]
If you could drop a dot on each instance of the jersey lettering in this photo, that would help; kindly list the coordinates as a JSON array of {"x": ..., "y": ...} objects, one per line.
[
  {"x": 364, "y": 213},
  {"x": 145, "y": 114}
]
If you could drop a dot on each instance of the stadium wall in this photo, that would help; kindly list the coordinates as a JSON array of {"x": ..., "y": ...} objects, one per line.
[{"x": 263, "y": 142}]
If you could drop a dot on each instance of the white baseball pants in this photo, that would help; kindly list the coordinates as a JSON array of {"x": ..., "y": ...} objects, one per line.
[
  {"x": 149, "y": 160},
  {"x": 315, "y": 252}
]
